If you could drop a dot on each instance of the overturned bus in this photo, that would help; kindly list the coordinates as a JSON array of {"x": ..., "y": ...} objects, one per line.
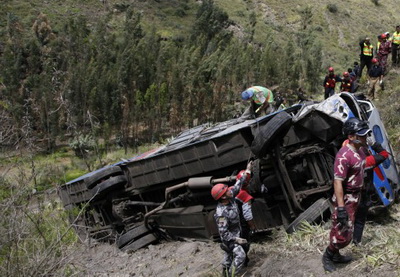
[{"x": 166, "y": 191}]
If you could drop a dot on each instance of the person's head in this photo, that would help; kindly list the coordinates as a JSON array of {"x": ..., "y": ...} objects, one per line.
[
  {"x": 367, "y": 40},
  {"x": 247, "y": 94},
  {"x": 331, "y": 70},
  {"x": 356, "y": 131},
  {"x": 355, "y": 64},
  {"x": 374, "y": 61},
  {"x": 383, "y": 37},
  {"x": 387, "y": 34},
  {"x": 380, "y": 38},
  {"x": 346, "y": 75},
  {"x": 398, "y": 28},
  {"x": 221, "y": 192},
  {"x": 350, "y": 70}
]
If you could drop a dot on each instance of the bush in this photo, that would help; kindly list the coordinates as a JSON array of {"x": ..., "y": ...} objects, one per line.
[
  {"x": 180, "y": 12},
  {"x": 376, "y": 2},
  {"x": 332, "y": 8},
  {"x": 82, "y": 145}
]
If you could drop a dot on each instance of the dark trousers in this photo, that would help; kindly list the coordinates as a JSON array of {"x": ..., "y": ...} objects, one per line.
[
  {"x": 329, "y": 92},
  {"x": 361, "y": 217},
  {"x": 395, "y": 52},
  {"x": 364, "y": 61}
]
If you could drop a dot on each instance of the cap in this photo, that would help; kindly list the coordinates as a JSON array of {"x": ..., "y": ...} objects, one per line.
[
  {"x": 247, "y": 94},
  {"x": 363, "y": 132}
]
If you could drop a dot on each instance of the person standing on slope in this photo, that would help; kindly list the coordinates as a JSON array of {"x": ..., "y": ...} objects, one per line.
[
  {"x": 330, "y": 82},
  {"x": 350, "y": 163},
  {"x": 227, "y": 218}
]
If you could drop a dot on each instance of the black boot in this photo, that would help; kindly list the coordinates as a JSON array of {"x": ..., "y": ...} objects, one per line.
[
  {"x": 338, "y": 258},
  {"x": 327, "y": 261}
]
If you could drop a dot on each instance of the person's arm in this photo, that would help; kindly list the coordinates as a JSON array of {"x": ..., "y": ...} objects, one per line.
[
  {"x": 338, "y": 188},
  {"x": 378, "y": 158},
  {"x": 238, "y": 185}
]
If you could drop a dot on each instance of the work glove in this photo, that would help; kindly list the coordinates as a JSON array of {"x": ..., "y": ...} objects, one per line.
[
  {"x": 377, "y": 147},
  {"x": 368, "y": 82},
  {"x": 240, "y": 241},
  {"x": 370, "y": 140},
  {"x": 342, "y": 216},
  {"x": 380, "y": 82},
  {"x": 249, "y": 166}
]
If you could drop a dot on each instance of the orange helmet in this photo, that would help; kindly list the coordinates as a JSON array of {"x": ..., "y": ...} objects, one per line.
[
  {"x": 374, "y": 60},
  {"x": 218, "y": 191},
  {"x": 346, "y": 74},
  {"x": 330, "y": 69},
  {"x": 240, "y": 175}
]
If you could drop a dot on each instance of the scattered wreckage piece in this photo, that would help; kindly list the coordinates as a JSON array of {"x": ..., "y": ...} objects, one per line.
[{"x": 166, "y": 191}]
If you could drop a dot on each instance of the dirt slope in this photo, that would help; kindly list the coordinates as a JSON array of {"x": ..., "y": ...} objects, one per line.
[{"x": 202, "y": 259}]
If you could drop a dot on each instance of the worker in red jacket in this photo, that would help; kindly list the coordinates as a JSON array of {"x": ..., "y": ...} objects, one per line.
[
  {"x": 330, "y": 82},
  {"x": 347, "y": 83}
]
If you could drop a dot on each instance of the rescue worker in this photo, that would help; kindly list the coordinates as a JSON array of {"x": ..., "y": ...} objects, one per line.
[
  {"x": 395, "y": 46},
  {"x": 244, "y": 201},
  {"x": 347, "y": 83},
  {"x": 262, "y": 100},
  {"x": 227, "y": 217},
  {"x": 384, "y": 49},
  {"x": 375, "y": 79},
  {"x": 367, "y": 51},
  {"x": 350, "y": 163},
  {"x": 356, "y": 68},
  {"x": 330, "y": 82}
]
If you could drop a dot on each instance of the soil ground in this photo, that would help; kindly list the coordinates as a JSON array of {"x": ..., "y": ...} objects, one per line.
[{"x": 202, "y": 259}]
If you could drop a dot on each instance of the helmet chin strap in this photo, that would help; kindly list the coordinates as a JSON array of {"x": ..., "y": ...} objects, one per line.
[{"x": 356, "y": 141}]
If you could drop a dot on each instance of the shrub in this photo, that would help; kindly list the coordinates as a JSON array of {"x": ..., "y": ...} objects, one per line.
[
  {"x": 376, "y": 2},
  {"x": 332, "y": 8},
  {"x": 82, "y": 145}
]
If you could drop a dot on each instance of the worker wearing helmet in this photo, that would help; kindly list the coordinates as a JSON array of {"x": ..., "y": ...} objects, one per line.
[
  {"x": 375, "y": 79},
  {"x": 366, "y": 55},
  {"x": 347, "y": 83},
  {"x": 330, "y": 82},
  {"x": 385, "y": 48},
  {"x": 228, "y": 222},
  {"x": 244, "y": 201},
  {"x": 350, "y": 163},
  {"x": 261, "y": 100},
  {"x": 396, "y": 46}
]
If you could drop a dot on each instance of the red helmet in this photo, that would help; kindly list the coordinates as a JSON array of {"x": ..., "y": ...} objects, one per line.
[
  {"x": 346, "y": 74},
  {"x": 383, "y": 36},
  {"x": 374, "y": 60},
  {"x": 330, "y": 69},
  {"x": 240, "y": 175},
  {"x": 218, "y": 191}
]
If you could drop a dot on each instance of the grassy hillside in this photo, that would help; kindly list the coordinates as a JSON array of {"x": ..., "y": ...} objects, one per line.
[{"x": 338, "y": 24}]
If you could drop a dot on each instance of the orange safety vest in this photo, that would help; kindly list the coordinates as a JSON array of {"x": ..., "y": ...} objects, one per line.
[{"x": 367, "y": 50}]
